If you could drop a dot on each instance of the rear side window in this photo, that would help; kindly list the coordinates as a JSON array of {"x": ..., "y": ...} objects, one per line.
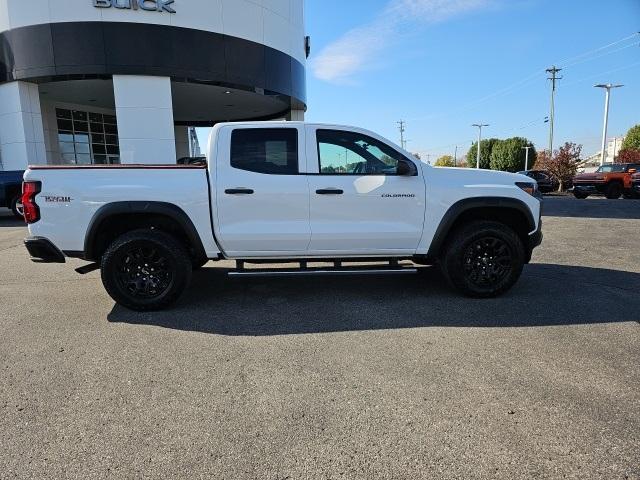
[{"x": 271, "y": 151}]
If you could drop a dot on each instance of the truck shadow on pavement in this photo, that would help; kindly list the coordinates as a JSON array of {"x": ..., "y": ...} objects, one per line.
[{"x": 546, "y": 295}]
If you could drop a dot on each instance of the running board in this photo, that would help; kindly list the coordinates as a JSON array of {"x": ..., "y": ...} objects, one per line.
[{"x": 322, "y": 272}]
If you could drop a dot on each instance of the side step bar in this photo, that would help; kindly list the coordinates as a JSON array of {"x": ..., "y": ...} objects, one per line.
[{"x": 337, "y": 270}]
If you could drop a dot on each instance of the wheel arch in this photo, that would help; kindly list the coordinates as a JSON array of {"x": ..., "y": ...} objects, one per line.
[
  {"x": 510, "y": 211},
  {"x": 117, "y": 218}
]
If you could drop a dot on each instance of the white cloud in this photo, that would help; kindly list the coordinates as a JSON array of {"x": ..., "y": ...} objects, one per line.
[{"x": 361, "y": 48}]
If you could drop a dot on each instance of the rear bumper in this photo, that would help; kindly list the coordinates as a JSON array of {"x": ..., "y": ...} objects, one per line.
[{"x": 43, "y": 251}]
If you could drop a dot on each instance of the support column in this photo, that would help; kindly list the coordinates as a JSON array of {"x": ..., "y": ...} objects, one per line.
[
  {"x": 144, "y": 109},
  {"x": 182, "y": 141},
  {"x": 296, "y": 116},
  {"x": 21, "y": 130}
]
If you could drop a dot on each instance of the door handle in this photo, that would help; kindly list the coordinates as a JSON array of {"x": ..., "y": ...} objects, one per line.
[
  {"x": 329, "y": 191},
  {"x": 239, "y": 191}
]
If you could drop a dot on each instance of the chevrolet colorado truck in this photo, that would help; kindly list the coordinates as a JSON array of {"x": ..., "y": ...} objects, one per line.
[
  {"x": 612, "y": 180},
  {"x": 10, "y": 191},
  {"x": 276, "y": 193}
]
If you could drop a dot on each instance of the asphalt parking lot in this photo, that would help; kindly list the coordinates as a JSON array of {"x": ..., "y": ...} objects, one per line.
[{"x": 373, "y": 377}]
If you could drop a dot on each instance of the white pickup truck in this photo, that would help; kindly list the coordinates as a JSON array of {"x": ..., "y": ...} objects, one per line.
[{"x": 276, "y": 192}]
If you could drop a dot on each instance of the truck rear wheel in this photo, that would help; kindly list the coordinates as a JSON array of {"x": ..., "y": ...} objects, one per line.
[
  {"x": 614, "y": 191},
  {"x": 146, "y": 270},
  {"x": 483, "y": 259}
]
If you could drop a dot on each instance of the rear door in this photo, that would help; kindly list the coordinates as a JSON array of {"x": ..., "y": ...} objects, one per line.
[
  {"x": 262, "y": 200},
  {"x": 359, "y": 204}
]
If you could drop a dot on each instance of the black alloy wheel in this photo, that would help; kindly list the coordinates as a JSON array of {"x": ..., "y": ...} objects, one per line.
[
  {"x": 487, "y": 261},
  {"x": 483, "y": 259},
  {"x": 146, "y": 270}
]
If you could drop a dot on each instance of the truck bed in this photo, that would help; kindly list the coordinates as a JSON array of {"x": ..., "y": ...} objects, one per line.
[{"x": 71, "y": 196}]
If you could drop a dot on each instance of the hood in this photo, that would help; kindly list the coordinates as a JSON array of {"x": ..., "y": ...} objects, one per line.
[
  {"x": 589, "y": 176},
  {"x": 476, "y": 177}
]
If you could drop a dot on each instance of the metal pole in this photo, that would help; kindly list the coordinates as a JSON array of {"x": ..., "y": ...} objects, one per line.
[
  {"x": 455, "y": 157},
  {"x": 603, "y": 156},
  {"x": 554, "y": 78},
  {"x": 607, "y": 87},
  {"x": 526, "y": 161},
  {"x": 479, "y": 125},
  {"x": 479, "y": 142}
]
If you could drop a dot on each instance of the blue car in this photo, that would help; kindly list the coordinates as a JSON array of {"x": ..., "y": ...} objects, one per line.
[{"x": 11, "y": 190}]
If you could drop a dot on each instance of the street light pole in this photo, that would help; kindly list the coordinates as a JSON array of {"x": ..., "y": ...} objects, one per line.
[
  {"x": 479, "y": 125},
  {"x": 526, "y": 161},
  {"x": 607, "y": 87}
]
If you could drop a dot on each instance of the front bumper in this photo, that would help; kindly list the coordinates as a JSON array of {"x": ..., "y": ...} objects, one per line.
[
  {"x": 43, "y": 251},
  {"x": 589, "y": 187}
]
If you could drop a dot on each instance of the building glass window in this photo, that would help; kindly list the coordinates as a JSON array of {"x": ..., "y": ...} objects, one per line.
[{"x": 82, "y": 139}]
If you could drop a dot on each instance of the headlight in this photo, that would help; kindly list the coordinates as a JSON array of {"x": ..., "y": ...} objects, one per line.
[{"x": 530, "y": 188}]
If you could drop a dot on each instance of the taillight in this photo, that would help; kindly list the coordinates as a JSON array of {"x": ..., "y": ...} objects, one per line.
[{"x": 29, "y": 192}]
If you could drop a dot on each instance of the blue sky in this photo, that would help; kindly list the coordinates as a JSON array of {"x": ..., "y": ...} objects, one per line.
[{"x": 442, "y": 65}]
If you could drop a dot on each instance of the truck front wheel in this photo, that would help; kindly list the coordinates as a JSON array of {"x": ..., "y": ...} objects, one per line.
[
  {"x": 483, "y": 259},
  {"x": 146, "y": 270}
]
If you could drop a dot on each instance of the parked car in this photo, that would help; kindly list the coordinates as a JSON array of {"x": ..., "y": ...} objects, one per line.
[
  {"x": 613, "y": 181},
  {"x": 546, "y": 182},
  {"x": 635, "y": 185},
  {"x": 11, "y": 191},
  {"x": 279, "y": 192}
]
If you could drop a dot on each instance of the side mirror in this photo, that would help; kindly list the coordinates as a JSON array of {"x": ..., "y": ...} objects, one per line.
[{"x": 407, "y": 168}]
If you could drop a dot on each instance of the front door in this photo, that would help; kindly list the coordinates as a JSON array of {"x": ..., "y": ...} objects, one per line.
[
  {"x": 262, "y": 201},
  {"x": 359, "y": 204}
]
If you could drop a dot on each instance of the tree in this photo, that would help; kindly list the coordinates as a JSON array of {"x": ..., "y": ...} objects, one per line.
[
  {"x": 510, "y": 156},
  {"x": 486, "y": 147},
  {"x": 632, "y": 140},
  {"x": 562, "y": 165},
  {"x": 628, "y": 155},
  {"x": 445, "y": 161}
]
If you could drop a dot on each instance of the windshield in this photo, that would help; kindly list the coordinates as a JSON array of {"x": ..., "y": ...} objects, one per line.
[{"x": 611, "y": 169}]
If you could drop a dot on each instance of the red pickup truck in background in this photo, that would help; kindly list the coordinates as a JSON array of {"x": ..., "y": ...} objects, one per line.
[{"x": 613, "y": 181}]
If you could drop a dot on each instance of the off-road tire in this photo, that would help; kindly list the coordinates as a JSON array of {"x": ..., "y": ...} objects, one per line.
[
  {"x": 580, "y": 195},
  {"x": 613, "y": 191},
  {"x": 15, "y": 208},
  {"x": 146, "y": 270},
  {"x": 483, "y": 259}
]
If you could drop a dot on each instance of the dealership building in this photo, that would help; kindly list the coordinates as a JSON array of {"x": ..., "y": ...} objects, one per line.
[{"x": 121, "y": 81}]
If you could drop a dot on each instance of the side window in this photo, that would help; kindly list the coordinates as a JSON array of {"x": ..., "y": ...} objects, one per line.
[
  {"x": 350, "y": 153},
  {"x": 271, "y": 151}
]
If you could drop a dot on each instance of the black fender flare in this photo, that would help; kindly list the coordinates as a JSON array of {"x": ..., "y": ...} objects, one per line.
[
  {"x": 142, "y": 207},
  {"x": 458, "y": 208}
]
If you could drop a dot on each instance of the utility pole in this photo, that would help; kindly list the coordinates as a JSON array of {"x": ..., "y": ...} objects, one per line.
[
  {"x": 479, "y": 125},
  {"x": 402, "y": 125},
  {"x": 554, "y": 78},
  {"x": 526, "y": 161},
  {"x": 607, "y": 87},
  {"x": 455, "y": 157}
]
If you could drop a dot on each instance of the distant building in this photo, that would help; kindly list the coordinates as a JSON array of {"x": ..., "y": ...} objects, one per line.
[{"x": 592, "y": 162}]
